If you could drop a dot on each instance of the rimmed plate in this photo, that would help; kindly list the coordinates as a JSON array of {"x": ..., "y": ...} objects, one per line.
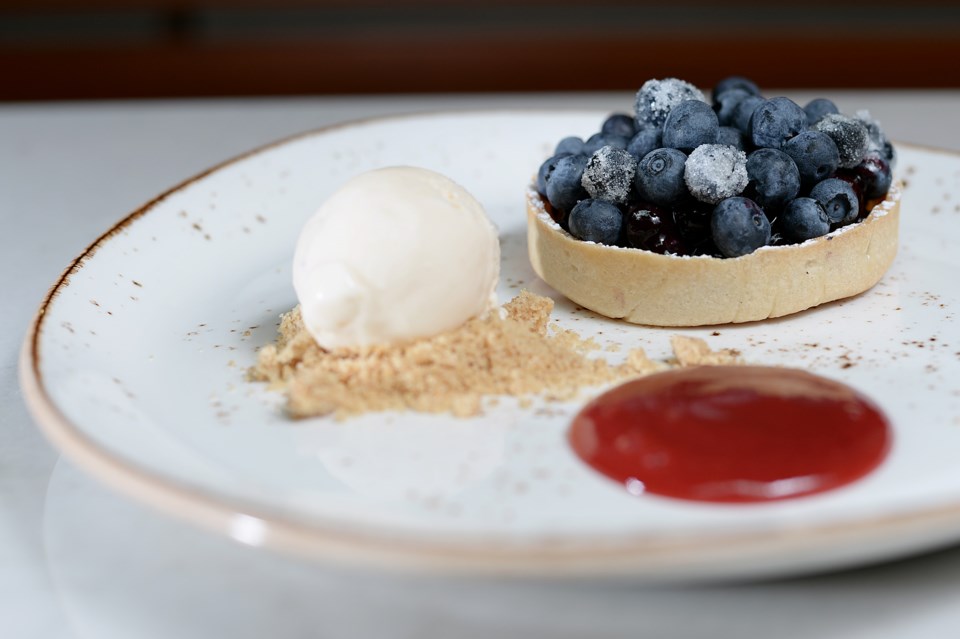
[{"x": 135, "y": 368}]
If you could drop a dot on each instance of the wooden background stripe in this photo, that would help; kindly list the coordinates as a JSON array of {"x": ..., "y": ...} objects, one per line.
[{"x": 57, "y": 49}]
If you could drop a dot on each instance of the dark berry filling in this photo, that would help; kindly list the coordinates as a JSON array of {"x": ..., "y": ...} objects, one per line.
[{"x": 652, "y": 228}]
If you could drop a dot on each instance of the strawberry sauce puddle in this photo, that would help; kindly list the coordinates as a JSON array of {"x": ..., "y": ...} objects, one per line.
[{"x": 732, "y": 434}]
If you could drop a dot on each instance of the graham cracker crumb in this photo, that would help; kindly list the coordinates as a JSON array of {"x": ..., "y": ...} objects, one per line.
[
  {"x": 452, "y": 372},
  {"x": 693, "y": 351},
  {"x": 640, "y": 364},
  {"x": 572, "y": 340},
  {"x": 532, "y": 310}
]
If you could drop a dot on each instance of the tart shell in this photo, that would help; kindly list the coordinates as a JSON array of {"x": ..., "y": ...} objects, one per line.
[{"x": 642, "y": 287}]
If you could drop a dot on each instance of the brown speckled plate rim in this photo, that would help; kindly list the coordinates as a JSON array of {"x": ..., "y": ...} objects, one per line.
[{"x": 657, "y": 557}]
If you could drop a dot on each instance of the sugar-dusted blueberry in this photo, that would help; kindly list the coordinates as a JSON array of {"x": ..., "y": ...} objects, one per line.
[
  {"x": 817, "y": 108},
  {"x": 563, "y": 183},
  {"x": 619, "y": 124},
  {"x": 838, "y": 199},
  {"x": 571, "y": 144},
  {"x": 744, "y": 111},
  {"x": 878, "y": 141},
  {"x": 545, "y": 170},
  {"x": 736, "y": 82},
  {"x": 644, "y": 141},
  {"x": 729, "y": 136},
  {"x": 739, "y": 226},
  {"x": 609, "y": 174},
  {"x": 651, "y": 228},
  {"x": 875, "y": 176},
  {"x": 725, "y": 104},
  {"x": 690, "y": 124},
  {"x": 597, "y": 140},
  {"x": 804, "y": 219},
  {"x": 656, "y": 98},
  {"x": 774, "y": 178},
  {"x": 659, "y": 177},
  {"x": 815, "y": 154},
  {"x": 776, "y": 121},
  {"x": 714, "y": 172},
  {"x": 848, "y": 134},
  {"x": 596, "y": 221}
]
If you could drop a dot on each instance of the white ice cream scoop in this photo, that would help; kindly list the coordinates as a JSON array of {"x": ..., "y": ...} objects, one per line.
[{"x": 395, "y": 254}]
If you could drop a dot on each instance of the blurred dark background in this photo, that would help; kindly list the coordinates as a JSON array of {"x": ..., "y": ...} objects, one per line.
[{"x": 82, "y": 49}]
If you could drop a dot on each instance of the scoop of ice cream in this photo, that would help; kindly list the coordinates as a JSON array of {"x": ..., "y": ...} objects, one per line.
[{"x": 393, "y": 255}]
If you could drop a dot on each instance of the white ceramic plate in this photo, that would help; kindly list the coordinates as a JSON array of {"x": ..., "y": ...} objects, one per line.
[{"x": 135, "y": 369}]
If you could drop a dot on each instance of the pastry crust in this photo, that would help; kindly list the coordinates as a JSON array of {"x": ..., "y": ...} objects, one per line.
[{"x": 642, "y": 287}]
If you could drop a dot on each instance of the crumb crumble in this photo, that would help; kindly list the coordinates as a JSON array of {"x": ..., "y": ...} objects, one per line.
[{"x": 516, "y": 352}]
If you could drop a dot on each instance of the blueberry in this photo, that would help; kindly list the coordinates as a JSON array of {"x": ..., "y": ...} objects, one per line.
[
  {"x": 744, "y": 111},
  {"x": 729, "y": 136},
  {"x": 815, "y": 154},
  {"x": 774, "y": 178},
  {"x": 690, "y": 124},
  {"x": 545, "y": 170},
  {"x": 851, "y": 177},
  {"x": 878, "y": 141},
  {"x": 889, "y": 152},
  {"x": 875, "y": 176},
  {"x": 597, "y": 140},
  {"x": 739, "y": 226},
  {"x": 596, "y": 221},
  {"x": 849, "y": 135},
  {"x": 838, "y": 199},
  {"x": 656, "y": 98},
  {"x": 736, "y": 82},
  {"x": 725, "y": 104},
  {"x": 659, "y": 177},
  {"x": 651, "y": 228},
  {"x": 644, "y": 141},
  {"x": 572, "y": 145},
  {"x": 563, "y": 184},
  {"x": 619, "y": 124},
  {"x": 776, "y": 121},
  {"x": 804, "y": 219},
  {"x": 714, "y": 172},
  {"x": 817, "y": 108},
  {"x": 609, "y": 174}
]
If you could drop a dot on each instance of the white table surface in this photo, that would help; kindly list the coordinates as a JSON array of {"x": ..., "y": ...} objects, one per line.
[{"x": 79, "y": 562}]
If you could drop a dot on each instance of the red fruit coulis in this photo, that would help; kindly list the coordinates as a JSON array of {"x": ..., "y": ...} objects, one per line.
[{"x": 732, "y": 434}]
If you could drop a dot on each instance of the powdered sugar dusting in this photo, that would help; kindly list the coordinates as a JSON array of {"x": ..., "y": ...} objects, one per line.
[
  {"x": 609, "y": 174},
  {"x": 714, "y": 172},
  {"x": 884, "y": 207},
  {"x": 850, "y": 136},
  {"x": 656, "y": 98},
  {"x": 877, "y": 141}
]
